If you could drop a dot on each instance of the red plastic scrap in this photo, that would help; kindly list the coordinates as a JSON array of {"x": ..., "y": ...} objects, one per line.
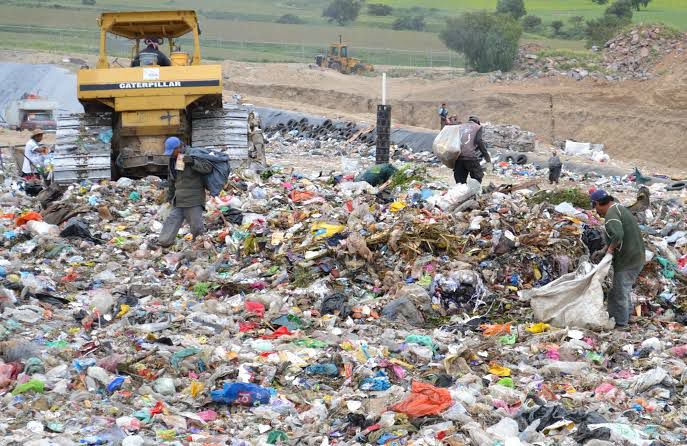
[
  {"x": 424, "y": 399},
  {"x": 255, "y": 307},
  {"x": 27, "y": 217},
  {"x": 279, "y": 332},
  {"x": 159, "y": 407}
]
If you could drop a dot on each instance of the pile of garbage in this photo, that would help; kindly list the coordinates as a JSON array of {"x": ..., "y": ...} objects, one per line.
[
  {"x": 633, "y": 54},
  {"x": 382, "y": 308}
]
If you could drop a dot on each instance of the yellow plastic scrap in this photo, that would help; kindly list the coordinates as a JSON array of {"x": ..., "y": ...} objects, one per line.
[
  {"x": 397, "y": 206},
  {"x": 539, "y": 327},
  {"x": 498, "y": 370},
  {"x": 537, "y": 273},
  {"x": 346, "y": 346},
  {"x": 124, "y": 309},
  {"x": 401, "y": 363},
  {"x": 325, "y": 230},
  {"x": 195, "y": 388}
]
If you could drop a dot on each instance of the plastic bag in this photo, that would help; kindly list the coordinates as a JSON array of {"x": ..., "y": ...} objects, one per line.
[
  {"x": 378, "y": 174},
  {"x": 495, "y": 329},
  {"x": 242, "y": 394},
  {"x": 425, "y": 399},
  {"x": 447, "y": 144},
  {"x": 575, "y": 299},
  {"x": 456, "y": 195}
]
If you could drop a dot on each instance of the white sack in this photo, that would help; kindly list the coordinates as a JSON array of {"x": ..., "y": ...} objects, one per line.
[
  {"x": 574, "y": 299},
  {"x": 446, "y": 145}
]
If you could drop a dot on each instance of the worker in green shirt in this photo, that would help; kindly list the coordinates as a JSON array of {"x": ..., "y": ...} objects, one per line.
[{"x": 624, "y": 242}]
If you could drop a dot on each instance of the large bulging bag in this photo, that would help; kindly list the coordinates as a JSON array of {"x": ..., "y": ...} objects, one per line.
[
  {"x": 215, "y": 180},
  {"x": 574, "y": 299},
  {"x": 446, "y": 145},
  {"x": 449, "y": 142}
]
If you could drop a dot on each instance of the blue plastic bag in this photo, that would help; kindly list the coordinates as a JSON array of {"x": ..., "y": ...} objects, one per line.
[{"x": 242, "y": 394}]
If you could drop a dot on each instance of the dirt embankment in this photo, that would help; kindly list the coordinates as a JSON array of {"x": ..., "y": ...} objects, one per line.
[{"x": 637, "y": 121}]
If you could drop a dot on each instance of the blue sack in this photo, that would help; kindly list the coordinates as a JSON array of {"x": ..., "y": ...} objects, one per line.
[{"x": 215, "y": 180}]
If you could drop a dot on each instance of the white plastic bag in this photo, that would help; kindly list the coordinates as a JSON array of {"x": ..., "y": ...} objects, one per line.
[
  {"x": 575, "y": 299},
  {"x": 446, "y": 145},
  {"x": 456, "y": 195}
]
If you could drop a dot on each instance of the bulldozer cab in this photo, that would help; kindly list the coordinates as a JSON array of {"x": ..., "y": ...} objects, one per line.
[
  {"x": 151, "y": 28},
  {"x": 338, "y": 51}
]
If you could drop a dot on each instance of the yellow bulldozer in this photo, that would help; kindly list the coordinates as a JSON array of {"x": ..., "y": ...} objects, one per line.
[
  {"x": 130, "y": 110},
  {"x": 337, "y": 59}
]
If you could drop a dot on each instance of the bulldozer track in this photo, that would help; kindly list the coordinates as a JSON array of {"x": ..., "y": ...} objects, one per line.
[
  {"x": 82, "y": 146},
  {"x": 225, "y": 130}
]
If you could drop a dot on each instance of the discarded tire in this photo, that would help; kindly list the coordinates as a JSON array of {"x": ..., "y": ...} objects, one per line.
[
  {"x": 521, "y": 159},
  {"x": 677, "y": 186}
]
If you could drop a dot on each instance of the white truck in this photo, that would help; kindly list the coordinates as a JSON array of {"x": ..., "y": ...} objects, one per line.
[{"x": 30, "y": 112}]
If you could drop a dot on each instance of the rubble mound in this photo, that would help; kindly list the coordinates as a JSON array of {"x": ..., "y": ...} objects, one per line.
[
  {"x": 631, "y": 55},
  {"x": 634, "y": 53}
]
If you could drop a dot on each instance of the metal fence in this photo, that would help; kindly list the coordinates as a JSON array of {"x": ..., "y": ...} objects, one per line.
[{"x": 214, "y": 47}]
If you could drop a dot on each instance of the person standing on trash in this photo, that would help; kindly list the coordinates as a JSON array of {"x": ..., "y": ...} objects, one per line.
[
  {"x": 186, "y": 192},
  {"x": 555, "y": 167},
  {"x": 34, "y": 155},
  {"x": 471, "y": 147},
  {"x": 443, "y": 115},
  {"x": 624, "y": 241}
]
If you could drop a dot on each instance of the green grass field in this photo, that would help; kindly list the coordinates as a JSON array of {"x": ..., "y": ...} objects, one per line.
[{"x": 245, "y": 29}]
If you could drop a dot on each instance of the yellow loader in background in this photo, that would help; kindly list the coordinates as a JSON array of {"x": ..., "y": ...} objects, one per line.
[
  {"x": 337, "y": 59},
  {"x": 130, "y": 111}
]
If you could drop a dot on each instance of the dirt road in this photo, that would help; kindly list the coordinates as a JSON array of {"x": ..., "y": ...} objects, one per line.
[{"x": 640, "y": 123}]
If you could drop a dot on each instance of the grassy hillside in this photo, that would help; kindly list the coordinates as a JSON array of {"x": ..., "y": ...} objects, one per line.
[{"x": 245, "y": 29}]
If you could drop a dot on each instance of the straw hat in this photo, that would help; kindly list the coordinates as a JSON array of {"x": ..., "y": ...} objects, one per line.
[{"x": 37, "y": 132}]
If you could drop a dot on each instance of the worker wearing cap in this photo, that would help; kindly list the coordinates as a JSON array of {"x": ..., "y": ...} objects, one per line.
[
  {"x": 624, "y": 242},
  {"x": 186, "y": 192},
  {"x": 443, "y": 115},
  {"x": 471, "y": 147},
  {"x": 34, "y": 155}
]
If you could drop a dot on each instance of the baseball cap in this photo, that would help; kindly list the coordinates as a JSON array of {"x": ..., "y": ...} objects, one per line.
[
  {"x": 599, "y": 195},
  {"x": 171, "y": 143}
]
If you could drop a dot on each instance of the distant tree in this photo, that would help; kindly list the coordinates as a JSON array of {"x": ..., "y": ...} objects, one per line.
[
  {"x": 621, "y": 9},
  {"x": 639, "y": 3},
  {"x": 635, "y": 3},
  {"x": 489, "y": 41},
  {"x": 379, "y": 9},
  {"x": 290, "y": 19},
  {"x": 342, "y": 11},
  {"x": 415, "y": 23},
  {"x": 513, "y": 8},
  {"x": 557, "y": 25},
  {"x": 601, "y": 30},
  {"x": 530, "y": 23},
  {"x": 576, "y": 20},
  {"x": 88, "y": 2}
]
